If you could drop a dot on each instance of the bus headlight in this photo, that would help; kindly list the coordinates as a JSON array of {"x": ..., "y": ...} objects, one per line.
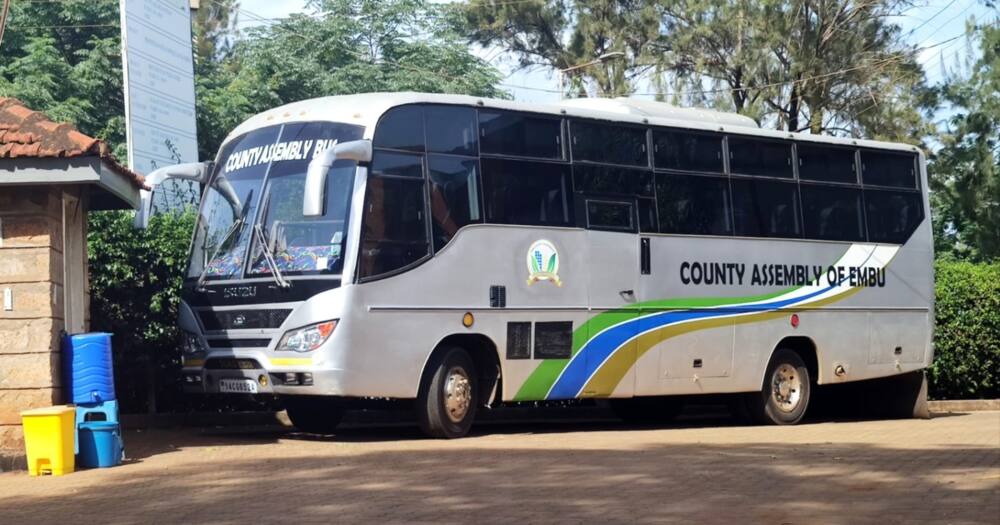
[{"x": 307, "y": 338}]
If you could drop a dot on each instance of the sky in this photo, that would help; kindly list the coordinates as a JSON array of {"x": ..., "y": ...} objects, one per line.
[{"x": 927, "y": 23}]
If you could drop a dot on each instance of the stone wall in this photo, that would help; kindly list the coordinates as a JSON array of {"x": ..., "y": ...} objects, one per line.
[{"x": 31, "y": 259}]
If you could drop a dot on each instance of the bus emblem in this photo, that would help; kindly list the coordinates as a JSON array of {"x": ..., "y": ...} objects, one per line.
[{"x": 543, "y": 263}]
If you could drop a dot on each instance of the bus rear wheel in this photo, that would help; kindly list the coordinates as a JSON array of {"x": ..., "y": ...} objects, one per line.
[
  {"x": 446, "y": 405},
  {"x": 784, "y": 397},
  {"x": 314, "y": 414}
]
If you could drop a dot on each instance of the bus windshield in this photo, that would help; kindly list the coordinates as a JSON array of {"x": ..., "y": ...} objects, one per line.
[{"x": 260, "y": 178}]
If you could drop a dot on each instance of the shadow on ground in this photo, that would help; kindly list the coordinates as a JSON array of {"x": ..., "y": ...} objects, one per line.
[{"x": 498, "y": 479}]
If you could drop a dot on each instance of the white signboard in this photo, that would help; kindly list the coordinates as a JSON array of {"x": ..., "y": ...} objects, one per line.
[{"x": 159, "y": 83}]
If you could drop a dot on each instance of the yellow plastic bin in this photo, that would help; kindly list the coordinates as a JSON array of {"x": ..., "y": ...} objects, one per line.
[{"x": 49, "y": 439}]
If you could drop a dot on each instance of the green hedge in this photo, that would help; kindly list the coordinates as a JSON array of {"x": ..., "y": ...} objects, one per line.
[
  {"x": 967, "y": 332},
  {"x": 135, "y": 288}
]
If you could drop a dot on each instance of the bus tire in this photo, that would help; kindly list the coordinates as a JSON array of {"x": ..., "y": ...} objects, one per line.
[
  {"x": 784, "y": 396},
  {"x": 446, "y": 404},
  {"x": 314, "y": 414},
  {"x": 647, "y": 410}
]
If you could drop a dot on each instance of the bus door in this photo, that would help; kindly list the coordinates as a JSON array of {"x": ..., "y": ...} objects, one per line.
[{"x": 612, "y": 282}]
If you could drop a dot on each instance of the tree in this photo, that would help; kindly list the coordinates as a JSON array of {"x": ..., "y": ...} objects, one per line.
[
  {"x": 64, "y": 58},
  {"x": 342, "y": 47},
  {"x": 565, "y": 33},
  {"x": 823, "y": 66},
  {"x": 965, "y": 172}
]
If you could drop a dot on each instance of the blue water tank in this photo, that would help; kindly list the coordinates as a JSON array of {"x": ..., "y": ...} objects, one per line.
[{"x": 89, "y": 376}]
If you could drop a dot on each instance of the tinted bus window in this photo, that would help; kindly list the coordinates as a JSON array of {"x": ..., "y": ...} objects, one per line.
[
  {"x": 680, "y": 150},
  {"x": 647, "y": 216},
  {"x": 454, "y": 196},
  {"x": 888, "y": 169},
  {"x": 765, "y": 208},
  {"x": 760, "y": 157},
  {"x": 893, "y": 215},
  {"x": 523, "y": 192},
  {"x": 609, "y": 215},
  {"x": 394, "y": 232},
  {"x": 451, "y": 129},
  {"x": 826, "y": 164},
  {"x": 609, "y": 144},
  {"x": 832, "y": 213},
  {"x": 693, "y": 204},
  {"x": 611, "y": 180},
  {"x": 401, "y": 128},
  {"x": 519, "y": 135},
  {"x": 397, "y": 164}
]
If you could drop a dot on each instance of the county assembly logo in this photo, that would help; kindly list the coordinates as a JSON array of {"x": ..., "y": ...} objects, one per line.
[{"x": 543, "y": 263}]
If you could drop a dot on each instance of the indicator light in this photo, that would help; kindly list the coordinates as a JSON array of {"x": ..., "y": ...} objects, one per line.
[
  {"x": 468, "y": 319},
  {"x": 795, "y": 320}
]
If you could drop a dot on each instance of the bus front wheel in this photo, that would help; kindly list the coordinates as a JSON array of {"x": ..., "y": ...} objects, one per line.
[
  {"x": 446, "y": 405},
  {"x": 314, "y": 414},
  {"x": 784, "y": 397}
]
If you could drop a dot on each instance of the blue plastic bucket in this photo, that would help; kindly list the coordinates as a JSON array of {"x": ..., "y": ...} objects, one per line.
[{"x": 100, "y": 444}]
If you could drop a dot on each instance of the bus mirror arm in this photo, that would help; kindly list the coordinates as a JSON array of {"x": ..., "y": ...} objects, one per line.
[
  {"x": 319, "y": 167},
  {"x": 195, "y": 171}
]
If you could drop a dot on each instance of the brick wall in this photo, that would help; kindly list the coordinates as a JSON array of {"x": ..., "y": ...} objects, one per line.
[{"x": 31, "y": 240}]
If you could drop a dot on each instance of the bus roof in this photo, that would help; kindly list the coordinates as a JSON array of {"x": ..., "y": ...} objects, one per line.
[{"x": 365, "y": 109}]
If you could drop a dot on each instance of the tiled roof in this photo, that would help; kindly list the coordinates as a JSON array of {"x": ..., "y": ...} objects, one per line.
[{"x": 30, "y": 134}]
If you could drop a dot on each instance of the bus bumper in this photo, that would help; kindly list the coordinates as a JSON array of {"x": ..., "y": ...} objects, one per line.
[{"x": 262, "y": 381}]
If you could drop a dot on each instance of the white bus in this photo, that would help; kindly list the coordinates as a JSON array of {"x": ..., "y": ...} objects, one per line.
[{"x": 462, "y": 252}]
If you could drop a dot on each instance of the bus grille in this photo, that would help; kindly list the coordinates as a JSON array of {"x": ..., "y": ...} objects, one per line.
[
  {"x": 239, "y": 343},
  {"x": 240, "y": 319}
]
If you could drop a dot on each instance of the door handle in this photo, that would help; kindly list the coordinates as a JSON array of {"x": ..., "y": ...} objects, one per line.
[{"x": 628, "y": 295}]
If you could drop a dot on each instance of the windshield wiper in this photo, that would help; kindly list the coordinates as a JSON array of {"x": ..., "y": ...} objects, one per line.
[
  {"x": 265, "y": 248},
  {"x": 236, "y": 227},
  {"x": 269, "y": 257}
]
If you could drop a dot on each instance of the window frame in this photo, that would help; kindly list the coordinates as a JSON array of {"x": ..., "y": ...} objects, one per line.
[
  {"x": 584, "y": 199},
  {"x": 915, "y": 157},
  {"x": 428, "y": 232}
]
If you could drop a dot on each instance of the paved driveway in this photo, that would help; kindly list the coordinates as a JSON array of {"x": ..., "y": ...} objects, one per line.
[{"x": 945, "y": 470}]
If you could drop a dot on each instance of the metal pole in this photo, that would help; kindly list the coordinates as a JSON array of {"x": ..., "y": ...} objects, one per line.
[{"x": 3, "y": 18}]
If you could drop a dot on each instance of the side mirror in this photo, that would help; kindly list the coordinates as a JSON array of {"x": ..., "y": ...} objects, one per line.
[
  {"x": 319, "y": 166},
  {"x": 195, "y": 171}
]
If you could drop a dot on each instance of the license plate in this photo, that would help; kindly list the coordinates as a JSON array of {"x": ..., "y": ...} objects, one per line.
[{"x": 238, "y": 386}]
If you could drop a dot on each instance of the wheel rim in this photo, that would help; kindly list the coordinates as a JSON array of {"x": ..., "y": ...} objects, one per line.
[
  {"x": 457, "y": 394},
  {"x": 786, "y": 388}
]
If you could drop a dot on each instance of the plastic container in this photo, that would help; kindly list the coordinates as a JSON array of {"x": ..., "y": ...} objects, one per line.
[
  {"x": 49, "y": 438},
  {"x": 89, "y": 375},
  {"x": 100, "y": 444}
]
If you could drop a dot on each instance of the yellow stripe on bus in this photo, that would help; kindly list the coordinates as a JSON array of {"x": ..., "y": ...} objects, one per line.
[{"x": 291, "y": 361}]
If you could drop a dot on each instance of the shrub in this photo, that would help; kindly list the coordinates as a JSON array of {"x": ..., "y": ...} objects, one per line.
[{"x": 967, "y": 332}]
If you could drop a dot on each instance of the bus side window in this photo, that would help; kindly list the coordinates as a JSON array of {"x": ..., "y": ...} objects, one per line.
[
  {"x": 769, "y": 158},
  {"x": 527, "y": 193},
  {"x": 594, "y": 142},
  {"x": 394, "y": 231},
  {"x": 401, "y": 128},
  {"x": 451, "y": 129},
  {"x": 881, "y": 168},
  {"x": 893, "y": 215},
  {"x": 832, "y": 213},
  {"x": 519, "y": 135},
  {"x": 693, "y": 204},
  {"x": 686, "y": 151},
  {"x": 826, "y": 164},
  {"x": 454, "y": 189},
  {"x": 766, "y": 208}
]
